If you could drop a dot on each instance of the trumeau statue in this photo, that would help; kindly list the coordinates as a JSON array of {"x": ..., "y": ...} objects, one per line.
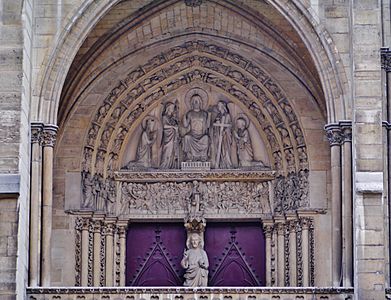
[{"x": 195, "y": 262}]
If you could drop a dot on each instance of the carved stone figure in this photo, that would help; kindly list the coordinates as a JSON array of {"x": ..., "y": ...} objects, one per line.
[
  {"x": 194, "y": 200},
  {"x": 110, "y": 196},
  {"x": 196, "y": 140},
  {"x": 146, "y": 141},
  {"x": 243, "y": 143},
  {"x": 195, "y": 262},
  {"x": 286, "y": 141},
  {"x": 170, "y": 139},
  {"x": 222, "y": 137},
  {"x": 88, "y": 190}
]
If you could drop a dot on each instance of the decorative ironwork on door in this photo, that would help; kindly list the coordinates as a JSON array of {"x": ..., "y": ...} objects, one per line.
[{"x": 236, "y": 253}]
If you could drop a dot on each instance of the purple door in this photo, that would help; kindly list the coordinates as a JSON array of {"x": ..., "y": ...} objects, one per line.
[
  {"x": 153, "y": 254},
  {"x": 236, "y": 253}
]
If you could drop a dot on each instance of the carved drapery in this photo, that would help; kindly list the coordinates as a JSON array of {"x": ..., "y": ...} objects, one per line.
[
  {"x": 101, "y": 236},
  {"x": 290, "y": 247}
]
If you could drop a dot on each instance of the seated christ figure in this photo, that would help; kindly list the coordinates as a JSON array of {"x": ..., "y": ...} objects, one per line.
[{"x": 196, "y": 139}]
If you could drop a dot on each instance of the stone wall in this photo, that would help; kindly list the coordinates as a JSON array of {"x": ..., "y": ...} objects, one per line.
[{"x": 14, "y": 150}]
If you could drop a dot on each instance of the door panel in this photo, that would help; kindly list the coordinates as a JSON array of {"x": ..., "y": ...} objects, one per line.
[{"x": 236, "y": 253}]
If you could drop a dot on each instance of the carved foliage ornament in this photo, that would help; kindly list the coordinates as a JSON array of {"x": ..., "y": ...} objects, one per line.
[{"x": 291, "y": 191}]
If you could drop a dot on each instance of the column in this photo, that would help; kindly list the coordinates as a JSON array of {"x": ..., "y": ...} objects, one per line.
[
  {"x": 84, "y": 251},
  {"x": 305, "y": 224},
  {"x": 122, "y": 241},
  {"x": 35, "y": 204},
  {"x": 280, "y": 254},
  {"x": 48, "y": 141},
  {"x": 334, "y": 136},
  {"x": 347, "y": 205},
  {"x": 97, "y": 248},
  {"x": 268, "y": 229},
  {"x": 110, "y": 254},
  {"x": 292, "y": 253}
]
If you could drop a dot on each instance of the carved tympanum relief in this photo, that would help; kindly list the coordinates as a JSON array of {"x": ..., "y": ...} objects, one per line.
[
  {"x": 215, "y": 132},
  {"x": 197, "y": 106},
  {"x": 184, "y": 197}
]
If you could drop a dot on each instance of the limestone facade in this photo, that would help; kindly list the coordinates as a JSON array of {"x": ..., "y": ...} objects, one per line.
[{"x": 81, "y": 80}]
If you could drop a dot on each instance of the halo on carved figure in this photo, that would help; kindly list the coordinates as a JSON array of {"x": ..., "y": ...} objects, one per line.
[
  {"x": 243, "y": 117},
  {"x": 146, "y": 120},
  {"x": 200, "y": 92},
  {"x": 196, "y": 235}
]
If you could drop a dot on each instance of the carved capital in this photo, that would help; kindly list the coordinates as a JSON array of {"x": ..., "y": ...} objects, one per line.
[
  {"x": 346, "y": 131},
  {"x": 84, "y": 223},
  {"x": 334, "y": 134},
  {"x": 305, "y": 223},
  {"x": 109, "y": 229},
  {"x": 385, "y": 59},
  {"x": 193, "y": 3},
  {"x": 49, "y": 135},
  {"x": 36, "y": 133},
  {"x": 280, "y": 228},
  {"x": 268, "y": 229},
  {"x": 122, "y": 231},
  {"x": 97, "y": 224},
  {"x": 292, "y": 226}
]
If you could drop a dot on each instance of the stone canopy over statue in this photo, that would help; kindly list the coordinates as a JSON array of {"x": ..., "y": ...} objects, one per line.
[{"x": 205, "y": 135}]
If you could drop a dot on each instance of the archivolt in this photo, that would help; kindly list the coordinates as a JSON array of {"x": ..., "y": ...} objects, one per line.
[
  {"x": 231, "y": 73},
  {"x": 318, "y": 41}
]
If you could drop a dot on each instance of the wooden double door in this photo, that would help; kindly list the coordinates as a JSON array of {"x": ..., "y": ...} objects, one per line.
[{"x": 236, "y": 253}]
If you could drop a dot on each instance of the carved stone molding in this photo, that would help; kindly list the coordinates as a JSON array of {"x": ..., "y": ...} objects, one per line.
[
  {"x": 49, "y": 135},
  {"x": 100, "y": 226},
  {"x": 167, "y": 176},
  {"x": 234, "y": 293},
  {"x": 386, "y": 59}
]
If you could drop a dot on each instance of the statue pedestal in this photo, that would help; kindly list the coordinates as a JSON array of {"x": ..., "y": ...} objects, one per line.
[{"x": 195, "y": 166}]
